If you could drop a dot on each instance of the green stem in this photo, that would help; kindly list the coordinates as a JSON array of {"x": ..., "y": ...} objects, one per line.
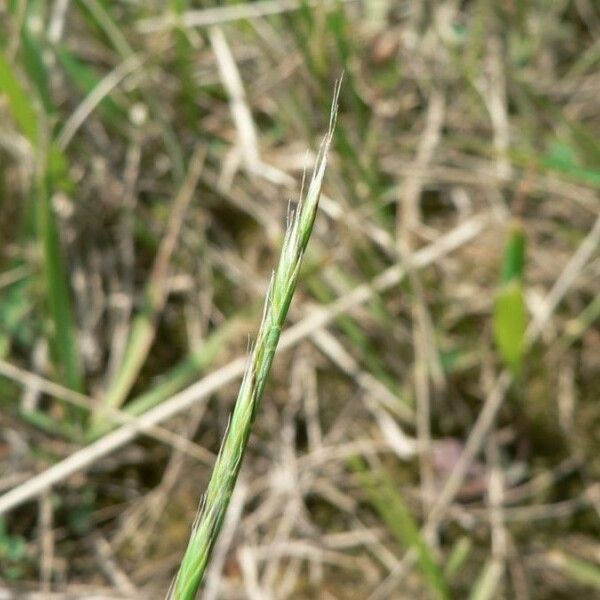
[{"x": 225, "y": 473}]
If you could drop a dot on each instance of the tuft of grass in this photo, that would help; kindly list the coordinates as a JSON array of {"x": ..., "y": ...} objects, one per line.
[
  {"x": 205, "y": 530},
  {"x": 50, "y": 174}
]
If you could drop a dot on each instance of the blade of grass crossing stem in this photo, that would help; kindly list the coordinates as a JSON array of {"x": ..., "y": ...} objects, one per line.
[
  {"x": 86, "y": 80},
  {"x": 185, "y": 371},
  {"x": 177, "y": 377},
  {"x": 141, "y": 336},
  {"x": 225, "y": 473},
  {"x": 393, "y": 510}
]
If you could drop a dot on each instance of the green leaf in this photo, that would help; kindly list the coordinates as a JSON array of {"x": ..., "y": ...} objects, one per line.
[
  {"x": 510, "y": 315},
  {"x": 16, "y": 308},
  {"x": 514, "y": 255},
  {"x": 390, "y": 505},
  {"x": 32, "y": 43},
  {"x": 33, "y": 58},
  {"x": 22, "y": 109},
  {"x": 458, "y": 557},
  {"x": 561, "y": 157},
  {"x": 86, "y": 79},
  {"x": 582, "y": 571},
  {"x": 510, "y": 320},
  {"x": 486, "y": 584},
  {"x": 52, "y": 170},
  {"x": 64, "y": 338}
]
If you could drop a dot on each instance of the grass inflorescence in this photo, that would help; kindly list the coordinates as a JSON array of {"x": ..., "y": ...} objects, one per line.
[{"x": 229, "y": 461}]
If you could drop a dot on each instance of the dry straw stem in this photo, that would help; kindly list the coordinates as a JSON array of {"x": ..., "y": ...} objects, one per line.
[{"x": 225, "y": 473}]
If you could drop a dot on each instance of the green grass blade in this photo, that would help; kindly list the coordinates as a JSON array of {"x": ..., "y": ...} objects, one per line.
[
  {"x": 33, "y": 59},
  {"x": 458, "y": 556},
  {"x": 393, "y": 510},
  {"x": 561, "y": 157},
  {"x": 583, "y": 572},
  {"x": 138, "y": 345},
  {"x": 510, "y": 313},
  {"x": 19, "y": 102},
  {"x": 98, "y": 15},
  {"x": 64, "y": 338},
  {"x": 86, "y": 80},
  {"x": 185, "y": 371},
  {"x": 32, "y": 45},
  {"x": 487, "y": 583},
  {"x": 514, "y": 255},
  {"x": 51, "y": 169}
]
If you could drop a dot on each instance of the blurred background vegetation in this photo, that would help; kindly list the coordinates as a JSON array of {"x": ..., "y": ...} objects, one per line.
[{"x": 431, "y": 426}]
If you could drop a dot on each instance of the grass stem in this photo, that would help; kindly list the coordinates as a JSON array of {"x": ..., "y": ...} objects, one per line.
[{"x": 225, "y": 473}]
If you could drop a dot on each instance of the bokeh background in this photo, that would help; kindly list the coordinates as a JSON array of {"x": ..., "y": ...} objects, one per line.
[{"x": 430, "y": 429}]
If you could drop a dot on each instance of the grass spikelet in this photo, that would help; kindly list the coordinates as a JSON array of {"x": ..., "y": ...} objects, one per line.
[{"x": 214, "y": 504}]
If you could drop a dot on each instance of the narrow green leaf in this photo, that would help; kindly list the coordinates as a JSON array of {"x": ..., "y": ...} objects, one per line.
[
  {"x": 561, "y": 157},
  {"x": 510, "y": 320},
  {"x": 393, "y": 510},
  {"x": 43, "y": 421},
  {"x": 510, "y": 315},
  {"x": 487, "y": 583},
  {"x": 86, "y": 79},
  {"x": 32, "y": 46},
  {"x": 514, "y": 255},
  {"x": 52, "y": 170},
  {"x": 582, "y": 571},
  {"x": 458, "y": 556},
  {"x": 63, "y": 337},
  {"x": 36, "y": 69},
  {"x": 19, "y": 102}
]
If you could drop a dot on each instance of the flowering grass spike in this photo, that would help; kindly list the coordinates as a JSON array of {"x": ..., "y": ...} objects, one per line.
[{"x": 214, "y": 504}]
